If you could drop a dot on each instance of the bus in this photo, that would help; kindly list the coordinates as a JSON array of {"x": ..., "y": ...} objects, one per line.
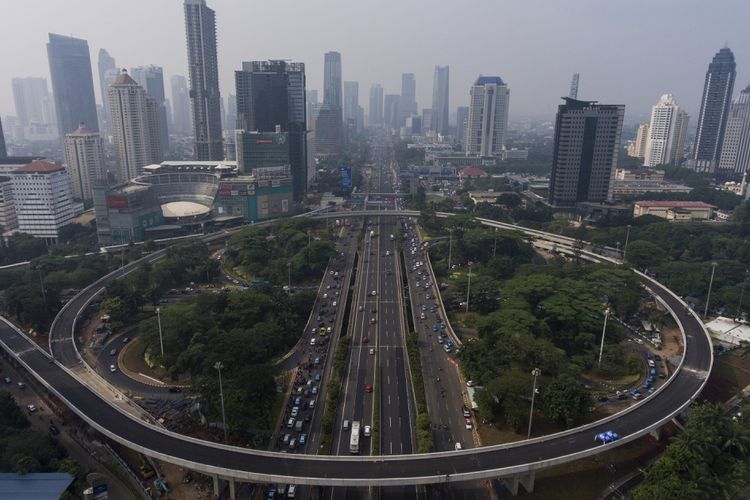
[{"x": 354, "y": 440}]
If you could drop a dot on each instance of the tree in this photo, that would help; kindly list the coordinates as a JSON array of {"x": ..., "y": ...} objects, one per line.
[
  {"x": 565, "y": 401},
  {"x": 644, "y": 254}
]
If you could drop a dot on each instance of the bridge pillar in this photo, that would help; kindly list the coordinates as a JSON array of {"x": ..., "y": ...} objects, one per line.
[
  {"x": 216, "y": 486},
  {"x": 525, "y": 480},
  {"x": 656, "y": 433},
  {"x": 232, "y": 494}
]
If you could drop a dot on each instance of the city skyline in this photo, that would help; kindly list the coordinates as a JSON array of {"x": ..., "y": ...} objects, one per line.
[{"x": 540, "y": 84}]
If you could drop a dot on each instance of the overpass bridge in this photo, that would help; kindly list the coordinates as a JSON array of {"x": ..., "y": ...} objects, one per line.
[{"x": 518, "y": 461}]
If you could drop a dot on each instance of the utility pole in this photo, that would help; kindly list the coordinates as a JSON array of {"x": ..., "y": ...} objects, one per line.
[
  {"x": 710, "y": 285},
  {"x": 535, "y": 372},
  {"x": 219, "y": 366},
  {"x": 468, "y": 289},
  {"x": 604, "y": 330},
  {"x": 161, "y": 340},
  {"x": 494, "y": 248}
]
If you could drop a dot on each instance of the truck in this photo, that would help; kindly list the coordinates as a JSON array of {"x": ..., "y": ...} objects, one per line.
[{"x": 354, "y": 440}]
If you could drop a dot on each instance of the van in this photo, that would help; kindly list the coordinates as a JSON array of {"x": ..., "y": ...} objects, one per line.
[
  {"x": 286, "y": 439},
  {"x": 291, "y": 491},
  {"x": 346, "y": 425},
  {"x": 312, "y": 404}
]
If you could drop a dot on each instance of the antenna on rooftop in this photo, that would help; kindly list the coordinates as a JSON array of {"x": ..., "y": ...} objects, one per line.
[{"x": 573, "y": 94}]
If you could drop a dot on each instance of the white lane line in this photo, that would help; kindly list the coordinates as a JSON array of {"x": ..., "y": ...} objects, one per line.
[{"x": 389, "y": 399}]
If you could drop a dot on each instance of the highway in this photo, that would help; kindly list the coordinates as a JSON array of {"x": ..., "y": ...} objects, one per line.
[{"x": 253, "y": 465}]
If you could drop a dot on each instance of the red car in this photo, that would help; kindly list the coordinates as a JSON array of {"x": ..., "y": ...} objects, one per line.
[
  {"x": 368, "y": 388},
  {"x": 365, "y": 340}
]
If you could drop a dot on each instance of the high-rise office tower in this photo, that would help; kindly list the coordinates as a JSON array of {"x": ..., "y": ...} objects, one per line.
[
  {"x": 271, "y": 93},
  {"x": 72, "y": 83},
  {"x": 376, "y": 105},
  {"x": 351, "y": 101},
  {"x": 32, "y": 100},
  {"x": 488, "y": 116},
  {"x": 462, "y": 122},
  {"x": 328, "y": 131},
  {"x": 735, "y": 152},
  {"x": 107, "y": 71},
  {"x": 84, "y": 158},
  {"x": 666, "y": 133},
  {"x": 261, "y": 149},
  {"x": 390, "y": 111},
  {"x": 200, "y": 28},
  {"x": 3, "y": 151},
  {"x": 440, "y": 100},
  {"x": 332, "y": 80},
  {"x": 135, "y": 126},
  {"x": 426, "y": 119},
  {"x": 712, "y": 119},
  {"x": 231, "y": 112},
  {"x": 585, "y": 152},
  {"x": 408, "y": 104},
  {"x": 180, "y": 105},
  {"x": 151, "y": 78}
]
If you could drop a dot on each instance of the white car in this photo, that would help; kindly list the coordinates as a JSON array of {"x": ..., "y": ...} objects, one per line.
[
  {"x": 31, "y": 408},
  {"x": 112, "y": 368},
  {"x": 373, "y": 293},
  {"x": 368, "y": 431}
]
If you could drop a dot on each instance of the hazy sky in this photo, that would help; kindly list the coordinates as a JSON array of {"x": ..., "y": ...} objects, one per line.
[{"x": 627, "y": 52}]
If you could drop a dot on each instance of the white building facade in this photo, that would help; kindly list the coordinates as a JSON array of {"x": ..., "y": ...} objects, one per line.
[
  {"x": 43, "y": 200},
  {"x": 488, "y": 116},
  {"x": 666, "y": 133}
]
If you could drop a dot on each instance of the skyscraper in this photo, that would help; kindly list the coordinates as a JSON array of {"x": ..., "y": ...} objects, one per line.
[
  {"x": 488, "y": 116},
  {"x": 585, "y": 152},
  {"x": 32, "y": 101},
  {"x": 180, "y": 105},
  {"x": 440, "y": 100},
  {"x": 390, "y": 111},
  {"x": 376, "y": 105},
  {"x": 84, "y": 158},
  {"x": 666, "y": 133},
  {"x": 271, "y": 93},
  {"x": 637, "y": 149},
  {"x": 351, "y": 100},
  {"x": 328, "y": 131},
  {"x": 200, "y": 28},
  {"x": 3, "y": 151},
  {"x": 712, "y": 119},
  {"x": 135, "y": 126},
  {"x": 72, "y": 83},
  {"x": 151, "y": 78},
  {"x": 313, "y": 105},
  {"x": 107, "y": 75},
  {"x": 462, "y": 122},
  {"x": 332, "y": 80},
  {"x": 735, "y": 152},
  {"x": 408, "y": 104}
]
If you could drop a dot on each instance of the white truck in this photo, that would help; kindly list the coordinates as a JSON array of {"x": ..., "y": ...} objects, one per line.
[{"x": 354, "y": 440}]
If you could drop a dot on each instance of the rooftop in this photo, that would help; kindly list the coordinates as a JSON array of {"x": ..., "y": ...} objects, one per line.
[
  {"x": 673, "y": 204},
  {"x": 36, "y": 485},
  {"x": 39, "y": 167},
  {"x": 484, "y": 80}
]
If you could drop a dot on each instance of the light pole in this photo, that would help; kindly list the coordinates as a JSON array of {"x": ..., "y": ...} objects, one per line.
[
  {"x": 289, "y": 269},
  {"x": 450, "y": 248},
  {"x": 219, "y": 366},
  {"x": 494, "y": 248},
  {"x": 625, "y": 248},
  {"x": 604, "y": 330},
  {"x": 161, "y": 339},
  {"x": 535, "y": 372},
  {"x": 710, "y": 285},
  {"x": 468, "y": 289},
  {"x": 742, "y": 294}
]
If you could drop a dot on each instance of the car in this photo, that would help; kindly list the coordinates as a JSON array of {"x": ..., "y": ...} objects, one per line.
[
  {"x": 365, "y": 340},
  {"x": 368, "y": 431},
  {"x": 603, "y": 399},
  {"x": 607, "y": 437},
  {"x": 112, "y": 352},
  {"x": 7, "y": 380},
  {"x": 333, "y": 304},
  {"x": 53, "y": 430},
  {"x": 295, "y": 411},
  {"x": 126, "y": 340},
  {"x": 361, "y": 308},
  {"x": 316, "y": 361},
  {"x": 31, "y": 408},
  {"x": 372, "y": 350},
  {"x": 457, "y": 446},
  {"x": 373, "y": 293},
  {"x": 372, "y": 321},
  {"x": 368, "y": 388},
  {"x": 469, "y": 425},
  {"x": 346, "y": 425},
  {"x": 422, "y": 316},
  {"x": 314, "y": 389},
  {"x": 317, "y": 376},
  {"x": 469, "y": 383},
  {"x": 175, "y": 390},
  {"x": 302, "y": 438},
  {"x": 312, "y": 341},
  {"x": 290, "y": 423},
  {"x": 318, "y": 318},
  {"x": 112, "y": 368}
]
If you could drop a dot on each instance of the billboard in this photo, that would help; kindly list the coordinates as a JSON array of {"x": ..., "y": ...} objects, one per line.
[
  {"x": 117, "y": 201},
  {"x": 346, "y": 177}
]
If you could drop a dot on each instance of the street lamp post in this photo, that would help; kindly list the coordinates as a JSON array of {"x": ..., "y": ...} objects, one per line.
[
  {"x": 161, "y": 339},
  {"x": 219, "y": 366},
  {"x": 468, "y": 289},
  {"x": 450, "y": 248},
  {"x": 742, "y": 295},
  {"x": 535, "y": 372},
  {"x": 289, "y": 269},
  {"x": 710, "y": 285},
  {"x": 625, "y": 248},
  {"x": 604, "y": 330},
  {"x": 494, "y": 248}
]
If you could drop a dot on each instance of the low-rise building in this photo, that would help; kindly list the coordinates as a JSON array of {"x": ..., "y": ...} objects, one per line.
[
  {"x": 471, "y": 173},
  {"x": 675, "y": 210}
]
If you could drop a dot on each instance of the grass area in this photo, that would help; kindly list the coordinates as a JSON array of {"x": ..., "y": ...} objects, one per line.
[
  {"x": 590, "y": 477},
  {"x": 133, "y": 359},
  {"x": 493, "y": 435},
  {"x": 425, "y": 443},
  {"x": 730, "y": 374}
]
